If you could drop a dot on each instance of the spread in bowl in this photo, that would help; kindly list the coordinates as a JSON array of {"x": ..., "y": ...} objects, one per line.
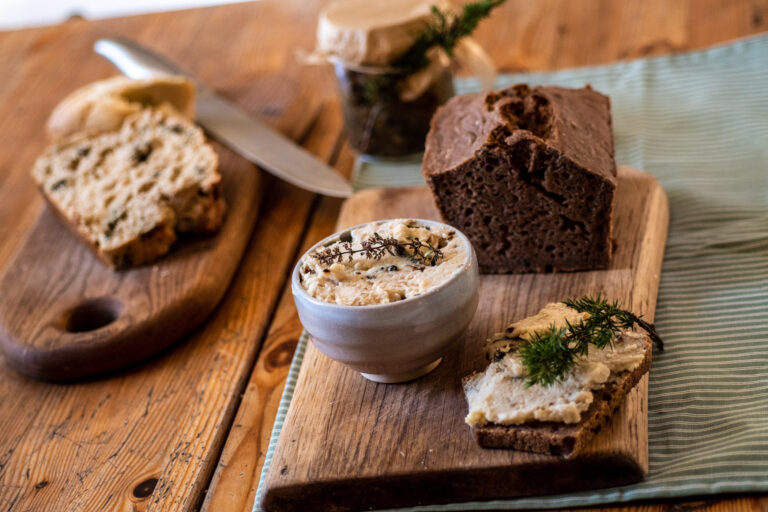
[
  {"x": 382, "y": 262},
  {"x": 388, "y": 298}
]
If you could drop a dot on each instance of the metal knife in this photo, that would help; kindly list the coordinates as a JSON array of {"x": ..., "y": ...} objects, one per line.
[{"x": 232, "y": 126}]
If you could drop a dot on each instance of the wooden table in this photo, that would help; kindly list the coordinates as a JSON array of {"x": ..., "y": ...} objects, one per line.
[{"x": 189, "y": 429}]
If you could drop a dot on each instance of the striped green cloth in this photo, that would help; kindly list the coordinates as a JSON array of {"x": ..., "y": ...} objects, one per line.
[{"x": 699, "y": 123}]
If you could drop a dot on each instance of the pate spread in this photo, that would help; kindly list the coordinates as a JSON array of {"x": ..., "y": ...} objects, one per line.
[
  {"x": 501, "y": 395},
  {"x": 364, "y": 280}
]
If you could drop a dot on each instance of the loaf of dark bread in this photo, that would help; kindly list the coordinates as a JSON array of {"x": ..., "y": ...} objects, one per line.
[{"x": 528, "y": 174}]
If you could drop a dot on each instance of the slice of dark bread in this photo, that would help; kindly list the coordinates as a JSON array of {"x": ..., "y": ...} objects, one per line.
[
  {"x": 563, "y": 439},
  {"x": 528, "y": 174},
  {"x": 128, "y": 193}
]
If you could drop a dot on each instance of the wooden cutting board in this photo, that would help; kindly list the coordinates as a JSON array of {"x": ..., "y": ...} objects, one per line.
[
  {"x": 65, "y": 315},
  {"x": 348, "y": 443}
]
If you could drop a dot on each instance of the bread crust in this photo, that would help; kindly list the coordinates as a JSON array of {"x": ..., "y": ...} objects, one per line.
[
  {"x": 102, "y": 106},
  {"x": 528, "y": 174},
  {"x": 148, "y": 247},
  {"x": 562, "y": 439}
]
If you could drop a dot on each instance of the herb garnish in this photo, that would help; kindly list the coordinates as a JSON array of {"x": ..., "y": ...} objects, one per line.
[
  {"x": 549, "y": 355},
  {"x": 445, "y": 32},
  {"x": 376, "y": 246}
]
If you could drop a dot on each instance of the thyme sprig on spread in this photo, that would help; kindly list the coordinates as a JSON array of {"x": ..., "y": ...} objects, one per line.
[
  {"x": 551, "y": 354},
  {"x": 445, "y": 32},
  {"x": 376, "y": 246}
]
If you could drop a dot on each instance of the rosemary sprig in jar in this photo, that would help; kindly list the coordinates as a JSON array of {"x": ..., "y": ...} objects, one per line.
[
  {"x": 445, "y": 32},
  {"x": 376, "y": 246},
  {"x": 548, "y": 356}
]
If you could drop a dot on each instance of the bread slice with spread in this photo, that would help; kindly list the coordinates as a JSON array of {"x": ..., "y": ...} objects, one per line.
[{"x": 507, "y": 410}]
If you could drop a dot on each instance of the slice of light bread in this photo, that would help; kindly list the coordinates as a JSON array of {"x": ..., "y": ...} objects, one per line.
[
  {"x": 102, "y": 106},
  {"x": 129, "y": 191}
]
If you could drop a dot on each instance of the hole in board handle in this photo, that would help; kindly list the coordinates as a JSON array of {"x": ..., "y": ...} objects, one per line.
[
  {"x": 145, "y": 488},
  {"x": 91, "y": 314}
]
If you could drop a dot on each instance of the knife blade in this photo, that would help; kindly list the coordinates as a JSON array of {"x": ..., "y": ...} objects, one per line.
[{"x": 229, "y": 124}]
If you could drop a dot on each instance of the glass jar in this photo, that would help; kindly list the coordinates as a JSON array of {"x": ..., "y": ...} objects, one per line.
[{"x": 380, "y": 120}]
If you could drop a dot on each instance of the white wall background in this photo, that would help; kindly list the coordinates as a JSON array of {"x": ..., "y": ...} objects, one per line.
[{"x": 30, "y": 13}]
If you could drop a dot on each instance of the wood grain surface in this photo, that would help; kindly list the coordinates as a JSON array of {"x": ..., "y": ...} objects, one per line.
[
  {"x": 348, "y": 443},
  {"x": 149, "y": 438},
  {"x": 57, "y": 450},
  {"x": 522, "y": 36},
  {"x": 66, "y": 315}
]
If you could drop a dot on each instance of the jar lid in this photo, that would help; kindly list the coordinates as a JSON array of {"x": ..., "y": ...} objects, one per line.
[{"x": 372, "y": 33}]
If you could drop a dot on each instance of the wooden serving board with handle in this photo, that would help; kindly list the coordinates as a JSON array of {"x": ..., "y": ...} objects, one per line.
[
  {"x": 66, "y": 315},
  {"x": 348, "y": 443}
]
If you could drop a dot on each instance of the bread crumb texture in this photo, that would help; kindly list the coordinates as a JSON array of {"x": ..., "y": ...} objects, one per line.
[
  {"x": 102, "y": 106},
  {"x": 528, "y": 174},
  {"x": 129, "y": 191}
]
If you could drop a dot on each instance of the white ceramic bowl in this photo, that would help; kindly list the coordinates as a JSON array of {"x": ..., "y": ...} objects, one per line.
[{"x": 397, "y": 341}]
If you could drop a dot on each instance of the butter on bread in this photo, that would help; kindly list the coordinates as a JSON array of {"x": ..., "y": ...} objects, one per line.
[
  {"x": 102, "y": 106},
  {"x": 505, "y": 412},
  {"x": 553, "y": 314}
]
